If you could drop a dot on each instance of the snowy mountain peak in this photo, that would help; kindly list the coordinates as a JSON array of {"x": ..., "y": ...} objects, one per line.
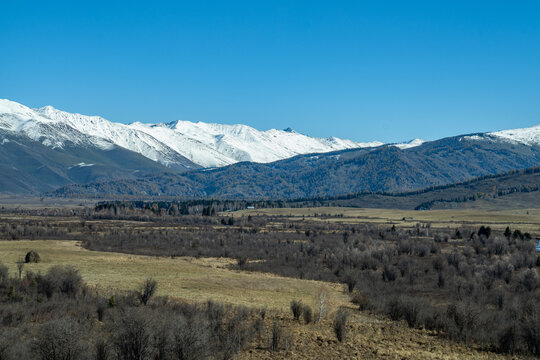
[
  {"x": 528, "y": 136},
  {"x": 190, "y": 144},
  {"x": 199, "y": 143},
  {"x": 12, "y": 107},
  {"x": 48, "y": 109}
]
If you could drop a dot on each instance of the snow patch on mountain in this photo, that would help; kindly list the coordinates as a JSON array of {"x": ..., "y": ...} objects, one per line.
[
  {"x": 527, "y": 136},
  {"x": 410, "y": 144},
  {"x": 81, "y": 165}
]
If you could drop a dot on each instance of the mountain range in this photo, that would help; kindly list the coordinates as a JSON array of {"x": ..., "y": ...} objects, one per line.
[
  {"x": 48, "y": 150},
  {"x": 43, "y": 148},
  {"x": 178, "y": 144},
  {"x": 380, "y": 169}
]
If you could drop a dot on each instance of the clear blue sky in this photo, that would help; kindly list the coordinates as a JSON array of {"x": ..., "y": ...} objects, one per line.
[{"x": 377, "y": 70}]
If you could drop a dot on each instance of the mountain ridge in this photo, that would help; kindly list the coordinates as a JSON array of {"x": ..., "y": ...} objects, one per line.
[
  {"x": 45, "y": 148},
  {"x": 203, "y": 144},
  {"x": 385, "y": 169}
]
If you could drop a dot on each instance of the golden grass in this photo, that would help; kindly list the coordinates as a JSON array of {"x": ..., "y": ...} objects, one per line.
[
  {"x": 186, "y": 278},
  {"x": 524, "y": 219}
]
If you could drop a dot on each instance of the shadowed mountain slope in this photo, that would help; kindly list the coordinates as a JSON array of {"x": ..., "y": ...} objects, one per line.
[{"x": 381, "y": 169}]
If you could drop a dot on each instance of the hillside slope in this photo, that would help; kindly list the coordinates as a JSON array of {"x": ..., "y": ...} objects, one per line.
[
  {"x": 29, "y": 167},
  {"x": 383, "y": 169},
  {"x": 516, "y": 189}
]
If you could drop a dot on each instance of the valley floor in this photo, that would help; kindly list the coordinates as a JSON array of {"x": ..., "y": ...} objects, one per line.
[
  {"x": 183, "y": 277},
  {"x": 525, "y": 219},
  {"x": 370, "y": 336}
]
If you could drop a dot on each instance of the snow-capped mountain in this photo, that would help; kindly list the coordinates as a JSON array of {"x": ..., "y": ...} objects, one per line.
[
  {"x": 44, "y": 148},
  {"x": 206, "y": 145},
  {"x": 528, "y": 136}
]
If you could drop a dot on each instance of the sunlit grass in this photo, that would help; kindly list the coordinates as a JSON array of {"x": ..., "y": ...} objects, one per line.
[{"x": 186, "y": 278}]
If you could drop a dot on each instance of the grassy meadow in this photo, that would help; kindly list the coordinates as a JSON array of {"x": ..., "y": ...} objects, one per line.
[
  {"x": 186, "y": 278},
  {"x": 524, "y": 219}
]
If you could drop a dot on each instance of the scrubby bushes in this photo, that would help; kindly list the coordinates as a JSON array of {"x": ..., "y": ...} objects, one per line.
[
  {"x": 58, "y": 280},
  {"x": 340, "y": 324},
  {"x": 467, "y": 287},
  {"x": 307, "y": 314},
  {"x": 296, "y": 308},
  {"x": 132, "y": 335},
  {"x": 280, "y": 338},
  {"x": 66, "y": 325},
  {"x": 148, "y": 290},
  {"x": 4, "y": 273},
  {"x": 480, "y": 272},
  {"x": 404, "y": 308},
  {"x": 59, "y": 339}
]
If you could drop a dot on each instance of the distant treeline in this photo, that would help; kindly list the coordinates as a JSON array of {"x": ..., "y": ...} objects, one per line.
[
  {"x": 188, "y": 207},
  {"x": 478, "y": 195},
  {"x": 212, "y": 206}
]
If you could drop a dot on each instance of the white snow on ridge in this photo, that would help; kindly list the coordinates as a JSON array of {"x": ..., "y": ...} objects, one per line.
[
  {"x": 410, "y": 144},
  {"x": 17, "y": 118},
  {"x": 205, "y": 144},
  {"x": 528, "y": 136}
]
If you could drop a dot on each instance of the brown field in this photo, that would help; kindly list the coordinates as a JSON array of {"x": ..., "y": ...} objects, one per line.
[
  {"x": 524, "y": 219},
  {"x": 185, "y": 278},
  {"x": 370, "y": 337}
]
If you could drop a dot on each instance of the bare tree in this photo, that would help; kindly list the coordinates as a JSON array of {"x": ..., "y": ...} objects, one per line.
[
  {"x": 58, "y": 339},
  {"x": 20, "y": 267},
  {"x": 323, "y": 302},
  {"x": 296, "y": 308},
  {"x": 148, "y": 290},
  {"x": 132, "y": 336},
  {"x": 4, "y": 273},
  {"x": 277, "y": 335},
  {"x": 340, "y": 324}
]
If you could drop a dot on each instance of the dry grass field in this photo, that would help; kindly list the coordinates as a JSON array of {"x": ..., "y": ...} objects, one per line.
[
  {"x": 34, "y": 202},
  {"x": 524, "y": 219},
  {"x": 185, "y": 278}
]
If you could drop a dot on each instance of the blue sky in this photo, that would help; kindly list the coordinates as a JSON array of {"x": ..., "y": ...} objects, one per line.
[{"x": 377, "y": 70}]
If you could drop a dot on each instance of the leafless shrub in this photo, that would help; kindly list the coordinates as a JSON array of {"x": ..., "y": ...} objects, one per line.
[
  {"x": 296, "y": 308},
  {"x": 340, "y": 324},
  {"x": 132, "y": 336},
  {"x": 4, "y": 273},
  {"x": 307, "y": 314},
  {"x": 191, "y": 338},
  {"x": 279, "y": 338},
  {"x": 530, "y": 279},
  {"x": 361, "y": 301},
  {"x": 101, "y": 349},
  {"x": 389, "y": 273},
  {"x": 148, "y": 290},
  {"x": 58, "y": 339}
]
